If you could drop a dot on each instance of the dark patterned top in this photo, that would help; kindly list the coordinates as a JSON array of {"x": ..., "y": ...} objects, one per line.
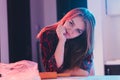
[{"x": 48, "y": 43}]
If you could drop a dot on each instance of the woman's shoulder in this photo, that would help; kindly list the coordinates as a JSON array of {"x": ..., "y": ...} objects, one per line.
[{"x": 47, "y": 31}]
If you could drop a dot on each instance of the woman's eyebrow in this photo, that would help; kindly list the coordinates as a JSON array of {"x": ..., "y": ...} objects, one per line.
[{"x": 75, "y": 24}]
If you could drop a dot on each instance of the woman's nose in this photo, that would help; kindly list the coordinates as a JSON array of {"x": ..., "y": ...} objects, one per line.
[
  {"x": 69, "y": 27},
  {"x": 70, "y": 31}
]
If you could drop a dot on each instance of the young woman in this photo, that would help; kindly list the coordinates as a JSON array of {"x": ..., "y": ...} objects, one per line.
[{"x": 67, "y": 46}]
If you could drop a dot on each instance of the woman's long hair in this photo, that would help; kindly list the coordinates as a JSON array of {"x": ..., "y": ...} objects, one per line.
[{"x": 86, "y": 39}]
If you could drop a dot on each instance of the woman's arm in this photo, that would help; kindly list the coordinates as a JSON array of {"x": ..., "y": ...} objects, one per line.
[
  {"x": 85, "y": 68},
  {"x": 80, "y": 72},
  {"x": 59, "y": 52},
  {"x": 77, "y": 72}
]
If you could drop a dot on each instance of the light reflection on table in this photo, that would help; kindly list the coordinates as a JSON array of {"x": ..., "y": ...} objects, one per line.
[{"x": 113, "y": 77}]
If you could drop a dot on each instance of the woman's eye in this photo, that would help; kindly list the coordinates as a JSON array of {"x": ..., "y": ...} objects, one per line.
[
  {"x": 79, "y": 31},
  {"x": 71, "y": 22}
]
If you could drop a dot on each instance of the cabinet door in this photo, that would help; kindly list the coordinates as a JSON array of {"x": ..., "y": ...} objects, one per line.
[
  {"x": 112, "y": 69},
  {"x": 19, "y": 30}
]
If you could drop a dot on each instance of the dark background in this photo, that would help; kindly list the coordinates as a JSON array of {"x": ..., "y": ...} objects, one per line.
[{"x": 19, "y": 30}]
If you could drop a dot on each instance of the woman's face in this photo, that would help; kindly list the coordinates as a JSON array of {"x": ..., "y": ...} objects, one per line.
[{"x": 74, "y": 27}]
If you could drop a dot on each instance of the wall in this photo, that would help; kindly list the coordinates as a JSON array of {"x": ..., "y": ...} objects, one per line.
[
  {"x": 107, "y": 38},
  {"x": 96, "y": 8},
  {"x": 111, "y": 37},
  {"x": 4, "y": 54},
  {"x": 43, "y": 13}
]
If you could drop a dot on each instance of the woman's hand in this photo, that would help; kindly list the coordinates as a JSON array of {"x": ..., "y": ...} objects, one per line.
[
  {"x": 59, "y": 52},
  {"x": 60, "y": 33}
]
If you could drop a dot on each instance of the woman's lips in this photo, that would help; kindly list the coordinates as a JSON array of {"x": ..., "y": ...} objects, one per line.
[{"x": 67, "y": 34}]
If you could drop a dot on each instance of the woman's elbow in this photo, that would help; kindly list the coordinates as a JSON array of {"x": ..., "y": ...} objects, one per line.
[{"x": 80, "y": 72}]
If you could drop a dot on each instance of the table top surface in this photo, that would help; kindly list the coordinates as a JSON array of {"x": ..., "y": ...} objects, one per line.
[{"x": 114, "y": 77}]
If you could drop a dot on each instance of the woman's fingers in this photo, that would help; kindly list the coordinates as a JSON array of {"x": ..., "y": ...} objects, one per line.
[{"x": 60, "y": 32}]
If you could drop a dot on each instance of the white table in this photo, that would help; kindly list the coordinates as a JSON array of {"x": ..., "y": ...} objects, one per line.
[
  {"x": 88, "y": 78},
  {"x": 67, "y": 78}
]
